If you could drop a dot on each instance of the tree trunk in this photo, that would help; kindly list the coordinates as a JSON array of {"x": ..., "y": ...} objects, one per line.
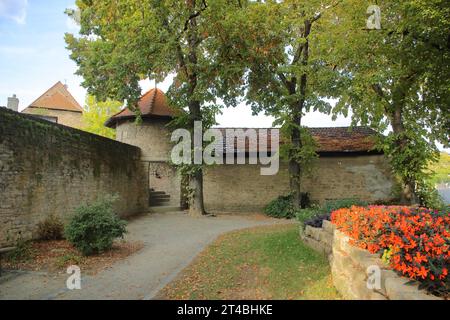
[
  {"x": 294, "y": 166},
  {"x": 297, "y": 111},
  {"x": 196, "y": 206},
  {"x": 408, "y": 195}
]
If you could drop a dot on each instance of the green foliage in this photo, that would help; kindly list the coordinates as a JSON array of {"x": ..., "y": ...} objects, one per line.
[
  {"x": 440, "y": 170},
  {"x": 281, "y": 207},
  {"x": 95, "y": 115},
  {"x": 68, "y": 259},
  {"x": 22, "y": 252},
  {"x": 121, "y": 43},
  {"x": 333, "y": 205},
  {"x": 306, "y": 214},
  {"x": 394, "y": 77},
  {"x": 315, "y": 215},
  {"x": 428, "y": 195},
  {"x": 51, "y": 228},
  {"x": 94, "y": 226}
]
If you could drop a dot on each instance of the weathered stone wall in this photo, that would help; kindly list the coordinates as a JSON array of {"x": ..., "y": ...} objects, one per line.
[
  {"x": 320, "y": 239},
  {"x": 67, "y": 118},
  {"x": 47, "y": 168},
  {"x": 349, "y": 268},
  {"x": 365, "y": 177}
]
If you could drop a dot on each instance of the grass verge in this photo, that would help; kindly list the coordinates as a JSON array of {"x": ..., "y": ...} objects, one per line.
[{"x": 258, "y": 263}]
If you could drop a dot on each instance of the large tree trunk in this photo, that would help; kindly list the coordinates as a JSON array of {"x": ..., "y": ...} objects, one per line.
[
  {"x": 294, "y": 166},
  {"x": 408, "y": 195},
  {"x": 196, "y": 206},
  {"x": 297, "y": 111}
]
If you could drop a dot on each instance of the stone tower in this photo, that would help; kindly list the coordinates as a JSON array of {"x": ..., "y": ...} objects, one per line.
[{"x": 152, "y": 136}]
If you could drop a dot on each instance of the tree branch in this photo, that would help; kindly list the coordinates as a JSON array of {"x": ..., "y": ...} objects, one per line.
[{"x": 195, "y": 15}]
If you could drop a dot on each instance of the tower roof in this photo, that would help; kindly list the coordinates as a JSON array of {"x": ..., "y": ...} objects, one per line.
[
  {"x": 152, "y": 103},
  {"x": 58, "y": 98}
]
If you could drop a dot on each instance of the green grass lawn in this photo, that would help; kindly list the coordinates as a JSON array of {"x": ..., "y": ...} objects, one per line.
[{"x": 259, "y": 263}]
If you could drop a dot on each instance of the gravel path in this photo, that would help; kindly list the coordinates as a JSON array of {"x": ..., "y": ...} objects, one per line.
[{"x": 171, "y": 241}]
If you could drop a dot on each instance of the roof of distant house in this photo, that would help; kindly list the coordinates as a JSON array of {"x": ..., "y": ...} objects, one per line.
[
  {"x": 152, "y": 104},
  {"x": 57, "y": 97}
]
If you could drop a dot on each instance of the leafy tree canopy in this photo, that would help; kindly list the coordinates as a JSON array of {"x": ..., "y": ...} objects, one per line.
[{"x": 95, "y": 115}]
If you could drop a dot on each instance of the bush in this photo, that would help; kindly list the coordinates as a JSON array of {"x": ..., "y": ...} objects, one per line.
[
  {"x": 51, "y": 228},
  {"x": 23, "y": 251},
  {"x": 324, "y": 212},
  {"x": 414, "y": 241},
  {"x": 94, "y": 227},
  {"x": 281, "y": 207},
  {"x": 306, "y": 214}
]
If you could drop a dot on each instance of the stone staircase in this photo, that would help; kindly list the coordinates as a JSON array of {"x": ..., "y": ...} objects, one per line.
[{"x": 159, "y": 202}]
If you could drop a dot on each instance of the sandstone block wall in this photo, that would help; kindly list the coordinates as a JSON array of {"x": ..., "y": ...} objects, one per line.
[
  {"x": 46, "y": 168},
  {"x": 242, "y": 188},
  {"x": 349, "y": 268},
  {"x": 320, "y": 239}
]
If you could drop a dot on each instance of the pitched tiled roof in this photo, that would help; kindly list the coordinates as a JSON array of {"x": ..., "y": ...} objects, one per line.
[
  {"x": 58, "y": 98},
  {"x": 329, "y": 140},
  {"x": 152, "y": 103}
]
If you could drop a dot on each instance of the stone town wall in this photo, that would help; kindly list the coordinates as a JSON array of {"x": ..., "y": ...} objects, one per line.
[
  {"x": 366, "y": 177},
  {"x": 47, "y": 168}
]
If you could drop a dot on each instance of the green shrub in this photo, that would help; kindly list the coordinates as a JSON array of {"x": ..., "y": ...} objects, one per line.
[
  {"x": 303, "y": 215},
  {"x": 333, "y": 205},
  {"x": 51, "y": 228},
  {"x": 94, "y": 226},
  {"x": 22, "y": 252},
  {"x": 323, "y": 212},
  {"x": 281, "y": 207}
]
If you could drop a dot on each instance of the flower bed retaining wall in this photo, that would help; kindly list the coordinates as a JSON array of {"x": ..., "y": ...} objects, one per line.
[{"x": 349, "y": 268}]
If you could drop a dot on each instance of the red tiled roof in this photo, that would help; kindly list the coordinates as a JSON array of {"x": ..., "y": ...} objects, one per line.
[
  {"x": 152, "y": 103},
  {"x": 329, "y": 140},
  {"x": 58, "y": 98}
]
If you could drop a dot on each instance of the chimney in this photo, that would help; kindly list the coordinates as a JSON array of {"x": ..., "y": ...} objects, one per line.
[{"x": 13, "y": 103}]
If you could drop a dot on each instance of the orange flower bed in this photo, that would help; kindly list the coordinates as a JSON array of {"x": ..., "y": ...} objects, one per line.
[{"x": 414, "y": 241}]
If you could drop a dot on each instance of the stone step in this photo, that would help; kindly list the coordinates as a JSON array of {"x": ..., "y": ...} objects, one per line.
[
  {"x": 159, "y": 196},
  {"x": 158, "y": 193}
]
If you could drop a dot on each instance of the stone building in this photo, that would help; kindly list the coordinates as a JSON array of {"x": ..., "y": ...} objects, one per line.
[
  {"x": 347, "y": 167},
  {"x": 57, "y": 105}
]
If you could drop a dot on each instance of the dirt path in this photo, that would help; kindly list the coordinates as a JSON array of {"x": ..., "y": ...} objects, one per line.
[{"x": 171, "y": 241}]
